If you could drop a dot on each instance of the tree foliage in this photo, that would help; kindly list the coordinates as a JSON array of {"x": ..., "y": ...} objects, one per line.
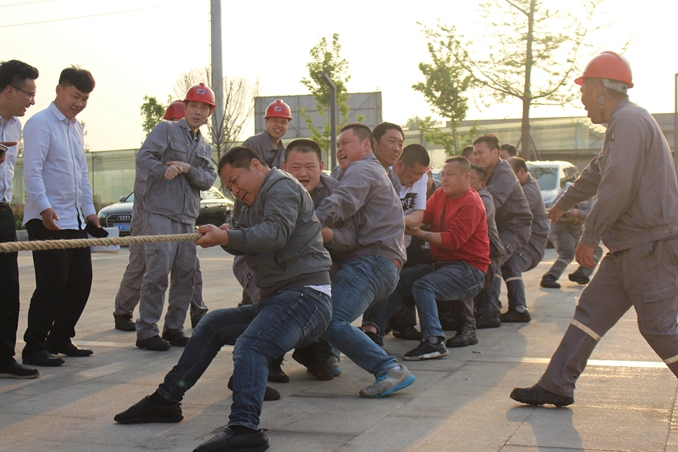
[
  {"x": 239, "y": 94},
  {"x": 152, "y": 112},
  {"x": 530, "y": 53},
  {"x": 325, "y": 57}
]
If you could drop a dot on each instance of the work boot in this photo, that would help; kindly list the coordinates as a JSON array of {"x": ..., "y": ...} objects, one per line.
[
  {"x": 465, "y": 336},
  {"x": 275, "y": 372},
  {"x": 536, "y": 395},
  {"x": 515, "y": 316},
  {"x": 579, "y": 278},
  {"x": 124, "y": 322},
  {"x": 487, "y": 321},
  {"x": 549, "y": 281}
]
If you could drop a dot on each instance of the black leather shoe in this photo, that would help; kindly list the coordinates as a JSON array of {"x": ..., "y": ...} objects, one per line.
[
  {"x": 155, "y": 343},
  {"x": 488, "y": 322},
  {"x": 147, "y": 411},
  {"x": 176, "y": 338},
  {"x": 275, "y": 372},
  {"x": 513, "y": 316},
  {"x": 42, "y": 358},
  {"x": 549, "y": 282},
  {"x": 579, "y": 278},
  {"x": 465, "y": 337},
  {"x": 228, "y": 440},
  {"x": 536, "y": 395},
  {"x": 269, "y": 395},
  {"x": 310, "y": 357},
  {"x": 68, "y": 349},
  {"x": 408, "y": 332},
  {"x": 16, "y": 370},
  {"x": 124, "y": 322}
]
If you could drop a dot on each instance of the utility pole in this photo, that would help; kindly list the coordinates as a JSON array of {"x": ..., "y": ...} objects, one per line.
[
  {"x": 333, "y": 117},
  {"x": 217, "y": 73}
]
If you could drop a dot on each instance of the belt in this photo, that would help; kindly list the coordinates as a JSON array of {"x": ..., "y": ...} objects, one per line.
[{"x": 4, "y": 206}]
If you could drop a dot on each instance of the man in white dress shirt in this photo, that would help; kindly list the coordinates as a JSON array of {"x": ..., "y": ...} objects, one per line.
[{"x": 58, "y": 205}]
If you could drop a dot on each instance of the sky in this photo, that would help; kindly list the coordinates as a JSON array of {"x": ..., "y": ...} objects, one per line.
[{"x": 140, "y": 47}]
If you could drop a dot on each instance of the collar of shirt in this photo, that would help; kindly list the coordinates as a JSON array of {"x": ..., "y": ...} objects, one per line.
[{"x": 60, "y": 116}]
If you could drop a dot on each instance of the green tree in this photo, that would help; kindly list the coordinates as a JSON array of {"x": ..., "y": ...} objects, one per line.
[
  {"x": 152, "y": 112},
  {"x": 84, "y": 134},
  {"x": 530, "y": 52},
  {"x": 325, "y": 57}
]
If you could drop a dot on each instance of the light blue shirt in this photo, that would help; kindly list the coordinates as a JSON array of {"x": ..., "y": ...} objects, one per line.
[
  {"x": 55, "y": 169},
  {"x": 10, "y": 130}
]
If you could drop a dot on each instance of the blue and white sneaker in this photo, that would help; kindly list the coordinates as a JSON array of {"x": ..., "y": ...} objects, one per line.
[{"x": 395, "y": 379}]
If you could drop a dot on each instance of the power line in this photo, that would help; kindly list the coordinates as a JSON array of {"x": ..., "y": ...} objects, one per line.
[{"x": 97, "y": 15}]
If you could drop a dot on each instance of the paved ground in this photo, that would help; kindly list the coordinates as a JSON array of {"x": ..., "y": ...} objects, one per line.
[{"x": 626, "y": 399}]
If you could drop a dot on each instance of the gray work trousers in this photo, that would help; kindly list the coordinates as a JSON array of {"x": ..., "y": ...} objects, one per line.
[
  {"x": 127, "y": 297},
  {"x": 175, "y": 259},
  {"x": 523, "y": 260},
  {"x": 564, "y": 238},
  {"x": 644, "y": 277}
]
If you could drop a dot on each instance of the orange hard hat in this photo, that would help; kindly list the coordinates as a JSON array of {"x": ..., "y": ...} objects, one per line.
[
  {"x": 175, "y": 111},
  {"x": 278, "y": 109},
  {"x": 608, "y": 65},
  {"x": 201, "y": 93}
]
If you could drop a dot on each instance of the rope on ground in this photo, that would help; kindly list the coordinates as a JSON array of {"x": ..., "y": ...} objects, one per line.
[{"x": 42, "y": 245}]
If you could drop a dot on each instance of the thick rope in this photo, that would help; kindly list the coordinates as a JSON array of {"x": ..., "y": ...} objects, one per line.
[{"x": 41, "y": 245}]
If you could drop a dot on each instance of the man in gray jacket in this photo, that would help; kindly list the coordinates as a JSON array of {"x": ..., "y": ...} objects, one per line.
[
  {"x": 177, "y": 162},
  {"x": 636, "y": 215},
  {"x": 279, "y": 236}
]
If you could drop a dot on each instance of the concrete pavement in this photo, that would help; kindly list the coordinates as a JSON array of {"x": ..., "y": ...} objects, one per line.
[{"x": 625, "y": 400}]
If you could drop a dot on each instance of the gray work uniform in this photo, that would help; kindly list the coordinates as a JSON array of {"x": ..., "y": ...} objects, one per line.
[
  {"x": 128, "y": 294},
  {"x": 244, "y": 274},
  {"x": 636, "y": 215},
  {"x": 514, "y": 223},
  {"x": 170, "y": 207},
  {"x": 262, "y": 144},
  {"x": 565, "y": 234},
  {"x": 529, "y": 256}
]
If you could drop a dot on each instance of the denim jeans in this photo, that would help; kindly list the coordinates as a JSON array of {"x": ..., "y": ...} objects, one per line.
[
  {"x": 261, "y": 332},
  {"x": 454, "y": 281},
  {"x": 360, "y": 281}
]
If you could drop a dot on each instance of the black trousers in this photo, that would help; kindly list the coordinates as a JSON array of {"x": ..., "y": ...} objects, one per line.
[
  {"x": 63, "y": 279},
  {"x": 9, "y": 289}
]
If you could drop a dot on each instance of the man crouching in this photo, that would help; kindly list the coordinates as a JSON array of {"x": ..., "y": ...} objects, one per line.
[{"x": 280, "y": 238}]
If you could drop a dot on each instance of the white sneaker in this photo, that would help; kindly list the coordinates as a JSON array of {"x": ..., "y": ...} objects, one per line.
[{"x": 393, "y": 380}]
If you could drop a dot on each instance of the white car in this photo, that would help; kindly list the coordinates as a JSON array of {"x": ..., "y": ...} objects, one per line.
[{"x": 552, "y": 176}]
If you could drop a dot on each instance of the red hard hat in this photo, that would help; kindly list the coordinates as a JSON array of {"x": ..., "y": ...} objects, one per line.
[
  {"x": 175, "y": 111},
  {"x": 610, "y": 66},
  {"x": 278, "y": 109},
  {"x": 201, "y": 93}
]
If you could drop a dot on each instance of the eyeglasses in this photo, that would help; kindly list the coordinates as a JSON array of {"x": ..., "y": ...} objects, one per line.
[{"x": 31, "y": 95}]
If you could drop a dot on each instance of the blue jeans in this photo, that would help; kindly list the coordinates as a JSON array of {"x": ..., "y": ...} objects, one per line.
[
  {"x": 360, "y": 281},
  {"x": 261, "y": 332},
  {"x": 427, "y": 282}
]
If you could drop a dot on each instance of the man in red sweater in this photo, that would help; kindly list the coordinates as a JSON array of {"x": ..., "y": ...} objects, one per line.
[{"x": 461, "y": 252}]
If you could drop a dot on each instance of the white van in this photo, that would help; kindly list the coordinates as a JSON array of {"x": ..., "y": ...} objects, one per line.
[{"x": 552, "y": 176}]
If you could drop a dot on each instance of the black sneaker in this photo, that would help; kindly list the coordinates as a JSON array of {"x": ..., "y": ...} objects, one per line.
[
  {"x": 465, "y": 336},
  {"x": 375, "y": 338},
  {"x": 513, "y": 316},
  {"x": 124, "y": 322},
  {"x": 16, "y": 370},
  {"x": 176, "y": 338},
  {"x": 228, "y": 440},
  {"x": 486, "y": 321},
  {"x": 275, "y": 372},
  {"x": 408, "y": 332},
  {"x": 147, "y": 411},
  {"x": 536, "y": 395},
  {"x": 549, "y": 281},
  {"x": 579, "y": 278},
  {"x": 426, "y": 350},
  {"x": 155, "y": 343}
]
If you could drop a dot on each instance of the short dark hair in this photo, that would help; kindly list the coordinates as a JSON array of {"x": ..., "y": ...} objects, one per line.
[
  {"x": 363, "y": 132},
  {"x": 491, "y": 139},
  {"x": 76, "y": 76},
  {"x": 517, "y": 164},
  {"x": 462, "y": 162},
  {"x": 15, "y": 72},
  {"x": 381, "y": 129},
  {"x": 304, "y": 145},
  {"x": 511, "y": 149},
  {"x": 480, "y": 171},
  {"x": 238, "y": 157},
  {"x": 467, "y": 151},
  {"x": 413, "y": 154}
]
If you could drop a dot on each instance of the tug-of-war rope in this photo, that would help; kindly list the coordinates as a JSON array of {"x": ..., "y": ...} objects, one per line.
[{"x": 42, "y": 245}]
